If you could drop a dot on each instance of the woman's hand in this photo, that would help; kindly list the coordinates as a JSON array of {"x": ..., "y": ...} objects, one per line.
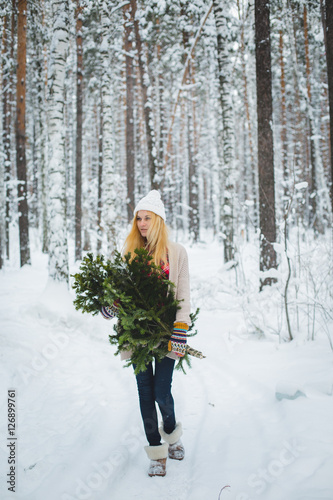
[{"x": 178, "y": 341}]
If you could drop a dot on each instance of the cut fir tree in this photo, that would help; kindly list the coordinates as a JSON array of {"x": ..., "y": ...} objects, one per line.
[{"x": 146, "y": 304}]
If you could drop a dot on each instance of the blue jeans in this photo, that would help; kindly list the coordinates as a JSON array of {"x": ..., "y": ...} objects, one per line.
[{"x": 156, "y": 388}]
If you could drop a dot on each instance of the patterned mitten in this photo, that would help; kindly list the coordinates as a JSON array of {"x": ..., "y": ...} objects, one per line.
[
  {"x": 177, "y": 343},
  {"x": 109, "y": 312}
]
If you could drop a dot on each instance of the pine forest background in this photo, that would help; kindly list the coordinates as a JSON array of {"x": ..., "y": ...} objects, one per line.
[{"x": 223, "y": 106}]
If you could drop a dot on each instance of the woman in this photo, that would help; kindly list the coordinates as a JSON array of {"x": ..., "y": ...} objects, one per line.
[{"x": 154, "y": 384}]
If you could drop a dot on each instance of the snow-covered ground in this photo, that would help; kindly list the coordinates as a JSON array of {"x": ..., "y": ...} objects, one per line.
[{"x": 257, "y": 412}]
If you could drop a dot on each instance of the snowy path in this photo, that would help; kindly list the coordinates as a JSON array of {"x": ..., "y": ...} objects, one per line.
[{"x": 79, "y": 430}]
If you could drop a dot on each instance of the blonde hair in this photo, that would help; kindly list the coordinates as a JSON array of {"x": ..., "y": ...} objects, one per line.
[{"x": 156, "y": 242}]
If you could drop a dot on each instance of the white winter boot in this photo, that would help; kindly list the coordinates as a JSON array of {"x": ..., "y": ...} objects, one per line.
[
  {"x": 176, "y": 449},
  {"x": 158, "y": 456}
]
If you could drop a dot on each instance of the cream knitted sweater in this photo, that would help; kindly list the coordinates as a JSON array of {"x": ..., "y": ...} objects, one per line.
[{"x": 179, "y": 276}]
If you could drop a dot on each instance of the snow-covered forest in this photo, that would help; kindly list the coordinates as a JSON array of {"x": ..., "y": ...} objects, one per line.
[
  {"x": 226, "y": 108},
  {"x": 103, "y": 100}
]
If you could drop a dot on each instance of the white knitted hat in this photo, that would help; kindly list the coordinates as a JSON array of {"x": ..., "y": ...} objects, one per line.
[{"x": 152, "y": 203}]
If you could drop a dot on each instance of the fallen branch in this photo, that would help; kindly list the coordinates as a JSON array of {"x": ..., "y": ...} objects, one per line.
[
  {"x": 227, "y": 486},
  {"x": 194, "y": 352}
]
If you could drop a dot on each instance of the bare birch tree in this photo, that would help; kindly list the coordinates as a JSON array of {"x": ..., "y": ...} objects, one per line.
[
  {"x": 100, "y": 174},
  {"x": 253, "y": 174},
  {"x": 227, "y": 182},
  {"x": 58, "y": 248},
  {"x": 110, "y": 195},
  {"x": 78, "y": 164},
  {"x": 6, "y": 67},
  {"x": 283, "y": 136},
  {"x": 313, "y": 173},
  {"x": 129, "y": 78}
]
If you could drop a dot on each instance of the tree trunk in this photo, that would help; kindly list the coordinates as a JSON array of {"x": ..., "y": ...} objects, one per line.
[
  {"x": 43, "y": 125},
  {"x": 297, "y": 123},
  {"x": 142, "y": 175},
  {"x": 129, "y": 75},
  {"x": 100, "y": 175},
  {"x": 314, "y": 222},
  {"x": 155, "y": 177},
  {"x": 10, "y": 108},
  {"x": 180, "y": 90},
  {"x": 35, "y": 186},
  {"x": 58, "y": 248},
  {"x": 78, "y": 165},
  {"x": 193, "y": 182},
  {"x": 6, "y": 122},
  {"x": 253, "y": 167},
  {"x": 284, "y": 149},
  {"x": 189, "y": 118},
  {"x": 329, "y": 59},
  {"x": 3, "y": 181},
  {"x": 110, "y": 195},
  {"x": 21, "y": 134},
  {"x": 3, "y": 86},
  {"x": 265, "y": 140},
  {"x": 226, "y": 222},
  {"x": 161, "y": 118}
]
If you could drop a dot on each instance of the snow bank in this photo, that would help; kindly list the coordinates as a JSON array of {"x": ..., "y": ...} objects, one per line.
[{"x": 256, "y": 412}]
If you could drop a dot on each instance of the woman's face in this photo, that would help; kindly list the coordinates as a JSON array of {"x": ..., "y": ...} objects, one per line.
[{"x": 143, "y": 221}]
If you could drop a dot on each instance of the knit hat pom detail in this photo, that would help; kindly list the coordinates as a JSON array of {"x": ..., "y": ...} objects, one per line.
[{"x": 152, "y": 203}]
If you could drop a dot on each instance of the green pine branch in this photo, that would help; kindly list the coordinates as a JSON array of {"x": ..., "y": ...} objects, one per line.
[{"x": 146, "y": 303}]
